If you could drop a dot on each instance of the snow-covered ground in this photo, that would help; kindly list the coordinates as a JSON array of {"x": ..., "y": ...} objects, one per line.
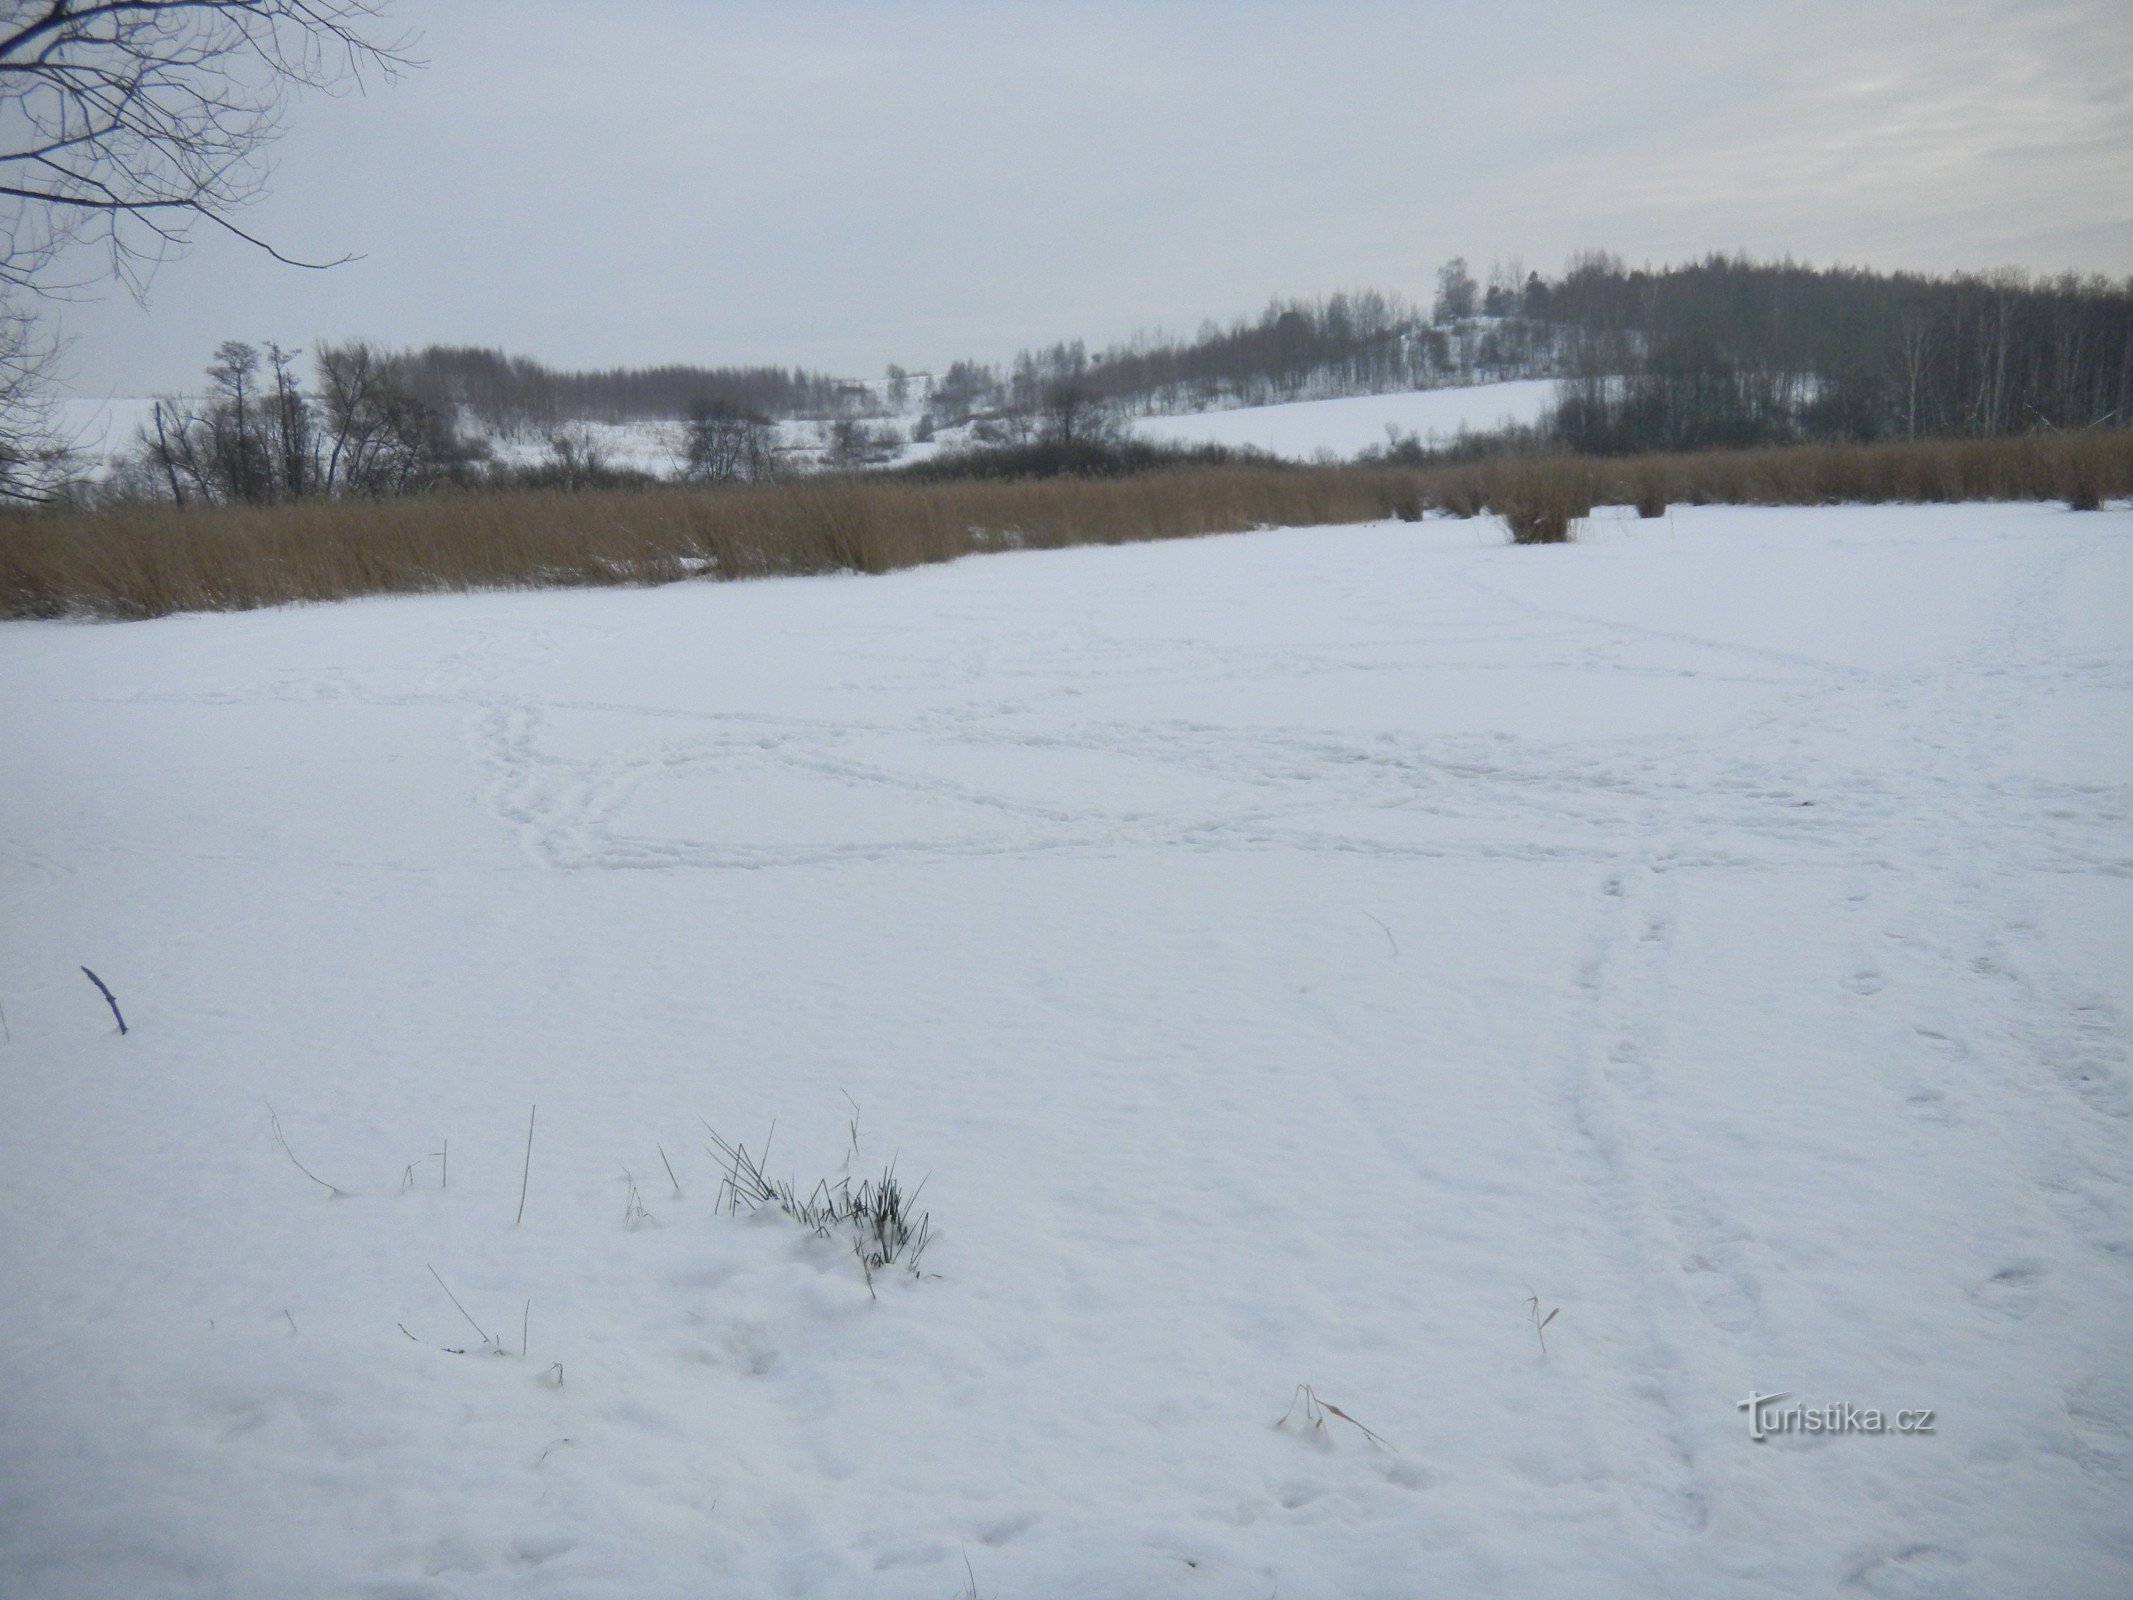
[
  {"x": 659, "y": 448},
  {"x": 1308, "y": 957},
  {"x": 1345, "y": 427}
]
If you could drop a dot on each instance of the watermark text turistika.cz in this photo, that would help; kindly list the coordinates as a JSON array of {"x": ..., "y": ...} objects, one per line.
[{"x": 1768, "y": 1416}]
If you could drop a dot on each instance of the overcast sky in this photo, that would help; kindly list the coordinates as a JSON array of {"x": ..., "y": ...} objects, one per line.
[{"x": 842, "y": 185}]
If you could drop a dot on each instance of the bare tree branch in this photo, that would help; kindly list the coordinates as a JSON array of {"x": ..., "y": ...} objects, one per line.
[
  {"x": 126, "y": 124},
  {"x": 123, "y": 124}
]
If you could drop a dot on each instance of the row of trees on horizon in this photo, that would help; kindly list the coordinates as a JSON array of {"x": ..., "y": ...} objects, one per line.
[
  {"x": 1719, "y": 353},
  {"x": 363, "y": 423},
  {"x": 517, "y": 396},
  {"x": 1728, "y": 352},
  {"x": 1724, "y": 351}
]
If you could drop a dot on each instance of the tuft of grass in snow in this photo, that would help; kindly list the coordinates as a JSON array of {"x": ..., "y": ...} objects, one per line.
[
  {"x": 634, "y": 1213},
  {"x": 878, "y": 1217},
  {"x": 1306, "y": 1407}
]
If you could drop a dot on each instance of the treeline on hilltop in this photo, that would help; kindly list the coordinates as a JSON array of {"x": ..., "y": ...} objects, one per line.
[
  {"x": 1366, "y": 342},
  {"x": 1719, "y": 353},
  {"x": 1728, "y": 353},
  {"x": 357, "y": 422},
  {"x": 353, "y": 421},
  {"x": 516, "y": 395}
]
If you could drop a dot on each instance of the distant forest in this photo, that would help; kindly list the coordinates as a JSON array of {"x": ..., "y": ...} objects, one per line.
[
  {"x": 514, "y": 395},
  {"x": 1728, "y": 352},
  {"x": 1721, "y": 352},
  {"x": 1344, "y": 344}
]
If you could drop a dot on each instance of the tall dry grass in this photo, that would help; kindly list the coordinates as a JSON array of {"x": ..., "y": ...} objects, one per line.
[
  {"x": 151, "y": 562},
  {"x": 147, "y": 563},
  {"x": 1541, "y": 497},
  {"x": 2079, "y": 469}
]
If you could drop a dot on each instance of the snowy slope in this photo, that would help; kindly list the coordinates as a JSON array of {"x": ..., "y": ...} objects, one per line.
[
  {"x": 1306, "y": 427},
  {"x": 1283, "y": 955}
]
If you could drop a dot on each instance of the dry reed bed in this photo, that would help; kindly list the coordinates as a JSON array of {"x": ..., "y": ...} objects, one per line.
[
  {"x": 152, "y": 562},
  {"x": 1541, "y": 497}
]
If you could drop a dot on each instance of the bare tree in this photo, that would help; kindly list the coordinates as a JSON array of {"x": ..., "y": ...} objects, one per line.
[
  {"x": 1073, "y": 413},
  {"x": 852, "y": 444},
  {"x": 258, "y": 435},
  {"x": 291, "y": 427},
  {"x": 1457, "y": 292},
  {"x": 32, "y": 445},
  {"x": 125, "y": 123},
  {"x": 366, "y": 449},
  {"x": 729, "y": 444}
]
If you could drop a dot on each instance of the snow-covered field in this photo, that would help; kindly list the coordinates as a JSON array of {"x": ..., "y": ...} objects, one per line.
[
  {"x": 1308, "y": 957},
  {"x": 1344, "y": 427}
]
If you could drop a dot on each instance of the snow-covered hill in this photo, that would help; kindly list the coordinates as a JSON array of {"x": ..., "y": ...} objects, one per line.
[
  {"x": 1313, "y": 957},
  {"x": 1346, "y": 427}
]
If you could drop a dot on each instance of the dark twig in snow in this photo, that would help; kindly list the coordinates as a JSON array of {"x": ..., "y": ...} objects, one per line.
[
  {"x": 1389, "y": 939},
  {"x": 109, "y": 999},
  {"x": 1540, "y": 1323}
]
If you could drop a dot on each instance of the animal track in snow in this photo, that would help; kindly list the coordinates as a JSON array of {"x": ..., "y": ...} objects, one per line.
[{"x": 2012, "y": 1292}]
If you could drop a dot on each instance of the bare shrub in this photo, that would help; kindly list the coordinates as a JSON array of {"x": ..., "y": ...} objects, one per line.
[
  {"x": 1541, "y": 500},
  {"x": 1462, "y": 492},
  {"x": 1647, "y": 490},
  {"x": 2080, "y": 473}
]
